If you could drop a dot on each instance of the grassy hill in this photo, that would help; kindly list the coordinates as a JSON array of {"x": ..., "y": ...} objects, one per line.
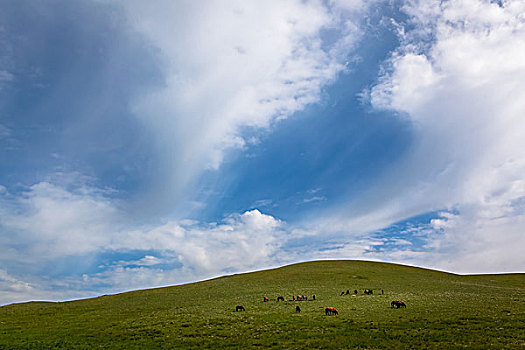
[{"x": 443, "y": 311}]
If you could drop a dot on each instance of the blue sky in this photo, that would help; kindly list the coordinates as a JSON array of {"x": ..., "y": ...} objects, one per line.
[{"x": 147, "y": 145}]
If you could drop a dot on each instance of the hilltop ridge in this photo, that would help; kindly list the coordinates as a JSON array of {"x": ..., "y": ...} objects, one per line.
[{"x": 443, "y": 310}]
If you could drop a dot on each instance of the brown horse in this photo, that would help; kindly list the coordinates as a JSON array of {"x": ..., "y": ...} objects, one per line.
[
  {"x": 331, "y": 311},
  {"x": 397, "y": 304},
  {"x": 239, "y": 308},
  {"x": 280, "y": 298}
]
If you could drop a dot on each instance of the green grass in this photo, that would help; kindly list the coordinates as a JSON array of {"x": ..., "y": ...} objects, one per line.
[{"x": 444, "y": 311}]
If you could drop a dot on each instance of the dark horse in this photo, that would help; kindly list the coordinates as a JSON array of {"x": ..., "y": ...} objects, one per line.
[
  {"x": 330, "y": 311},
  {"x": 397, "y": 304},
  {"x": 280, "y": 298},
  {"x": 369, "y": 291},
  {"x": 239, "y": 308}
]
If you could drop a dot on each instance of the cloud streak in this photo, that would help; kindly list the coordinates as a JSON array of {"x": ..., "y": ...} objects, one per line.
[{"x": 253, "y": 63}]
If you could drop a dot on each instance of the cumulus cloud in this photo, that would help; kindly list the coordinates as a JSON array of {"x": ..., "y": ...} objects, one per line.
[
  {"x": 241, "y": 241},
  {"x": 47, "y": 223},
  {"x": 458, "y": 78}
]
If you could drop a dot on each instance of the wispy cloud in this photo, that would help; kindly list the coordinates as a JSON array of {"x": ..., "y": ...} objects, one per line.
[
  {"x": 5, "y": 77},
  {"x": 314, "y": 199},
  {"x": 253, "y": 63},
  {"x": 4, "y": 132}
]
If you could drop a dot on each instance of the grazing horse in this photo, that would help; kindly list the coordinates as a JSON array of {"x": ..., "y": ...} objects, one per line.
[
  {"x": 369, "y": 291},
  {"x": 355, "y": 291},
  {"x": 280, "y": 298},
  {"x": 330, "y": 311},
  {"x": 297, "y": 309},
  {"x": 397, "y": 304},
  {"x": 239, "y": 308},
  {"x": 266, "y": 299},
  {"x": 343, "y": 293}
]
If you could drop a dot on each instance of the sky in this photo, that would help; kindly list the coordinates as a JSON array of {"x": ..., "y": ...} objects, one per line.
[{"x": 147, "y": 145}]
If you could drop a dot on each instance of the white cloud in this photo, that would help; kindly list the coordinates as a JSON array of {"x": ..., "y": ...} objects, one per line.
[
  {"x": 9, "y": 283},
  {"x": 147, "y": 260},
  {"x": 47, "y": 223},
  {"x": 234, "y": 64},
  {"x": 53, "y": 221},
  {"x": 459, "y": 78},
  {"x": 14, "y": 289},
  {"x": 242, "y": 241},
  {"x": 314, "y": 199},
  {"x": 5, "y": 77}
]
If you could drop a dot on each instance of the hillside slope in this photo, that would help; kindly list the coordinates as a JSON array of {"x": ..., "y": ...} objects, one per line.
[{"x": 443, "y": 311}]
